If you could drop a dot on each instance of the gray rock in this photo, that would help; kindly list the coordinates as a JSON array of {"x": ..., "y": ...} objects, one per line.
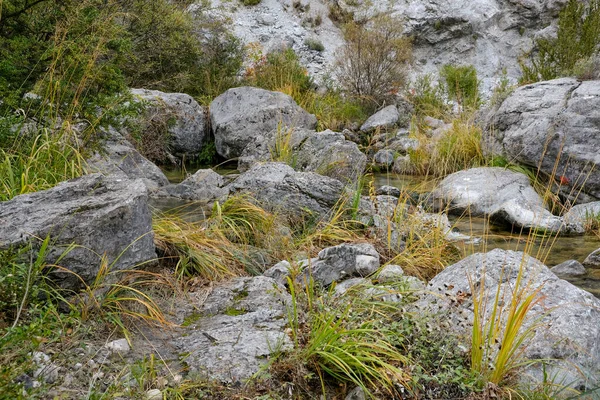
[
  {"x": 402, "y": 165},
  {"x": 338, "y": 263},
  {"x": 241, "y": 114},
  {"x": 356, "y": 394},
  {"x": 384, "y": 158},
  {"x": 119, "y": 346},
  {"x": 390, "y": 273},
  {"x": 327, "y": 153},
  {"x": 383, "y": 119},
  {"x": 403, "y": 144},
  {"x": 388, "y": 191},
  {"x": 241, "y": 324},
  {"x": 569, "y": 268},
  {"x": 101, "y": 215},
  {"x": 496, "y": 192},
  {"x": 582, "y": 215},
  {"x": 46, "y": 370},
  {"x": 278, "y": 187},
  {"x": 343, "y": 287},
  {"x": 279, "y": 272},
  {"x": 119, "y": 157},
  {"x": 434, "y": 123},
  {"x": 184, "y": 118},
  {"x": 568, "y": 316},
  {"x": 553, "y": 125},
  {"x": 204, "y": 186},
  {"x": 592, "y": 260}
]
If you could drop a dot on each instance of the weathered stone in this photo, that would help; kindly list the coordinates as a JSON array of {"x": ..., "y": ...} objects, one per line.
[
  {"x": 119, "y": 346},
  {"x": 384, "y": 158},
  {"x": 592, "y": 260},
  {"x": 243, "y": 113},
  {"x": 278, "y": 187},
  {"x": 120, "y": 158},
  {"x": 327, "y": 153},
  {"x": 569, "y": 268},
  {"x": 100, "y": 215},
  {"x": 390, "y": 273},
  {"x": 338, "y": 263},
  {"x": 568, "y": 340},
  {"x": 204, "y": 186},
  {"x": 279, "y": 272},
  {"x": 386, "y": 118},
  {"x": 553, "y": 125},
  {"x": 582, "y": 215},
  {"x": 241, "y": 323},
  {"x": 343, "y": 287},
  {"x": 388, "y": 191},
  {"x": 181, "y": 115},
  {"x": 496, "y": 192}
]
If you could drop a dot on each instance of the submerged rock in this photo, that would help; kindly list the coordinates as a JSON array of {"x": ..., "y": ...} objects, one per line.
[
  {"x": 567, "y": 341},
  {"x": 241, "y": 114},
  {"x": 592, "y": 260},
  {"x": 101, "y": 215},
  {"x": 239, "y": 325}
]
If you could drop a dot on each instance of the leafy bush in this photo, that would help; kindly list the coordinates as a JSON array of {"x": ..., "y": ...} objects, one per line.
[
  {"x": 428, "y": 98},
  {"x": 314, "y": 44},
  {"x": 462, "y": 84},
  {"x": 577, "y": 38},
  {"x": 372, "y": 64},
  {"x": 250, "y": 2}
]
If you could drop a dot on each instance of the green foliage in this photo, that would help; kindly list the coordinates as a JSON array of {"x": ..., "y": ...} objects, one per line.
[
  {"x": 462, "y": 84},
  {"x": 429, "y": 98},
  {"x": 372, "y": 64},
  {"x": 577, "y": 38},
  {"x": 250, "y": 2},
  {"x": 314, "y": 44}
]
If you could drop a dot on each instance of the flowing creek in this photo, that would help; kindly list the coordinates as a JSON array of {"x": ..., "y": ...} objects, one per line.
[{"x": 551, "y": 251}]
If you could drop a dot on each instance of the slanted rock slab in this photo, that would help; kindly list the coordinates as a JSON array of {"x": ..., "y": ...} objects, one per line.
[
  {"x": 101, "y": 215},
  {"x": 239, "y": 325}
]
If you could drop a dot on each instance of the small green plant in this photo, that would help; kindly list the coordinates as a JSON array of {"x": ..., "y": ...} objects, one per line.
[
  {"x": 462, "y": 84},
  {"x": 503, "y": 89},
  {"x": 314, "y": 44},
  {"x": 501, "y": 329},
  {"x": 250, "y": 2},
  {"x": 429, "y": 98},
  {"x": 577, "y": 39},
  {"x": 283, "y": 150}
]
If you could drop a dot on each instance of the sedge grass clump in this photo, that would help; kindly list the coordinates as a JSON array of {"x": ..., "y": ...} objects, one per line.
[
  {"x": 458, "y": 148},
  {"x": 462, "y": 84},
  {"x": 501, "y": 329}
]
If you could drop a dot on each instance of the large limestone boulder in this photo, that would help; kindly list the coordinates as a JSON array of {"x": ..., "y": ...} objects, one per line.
[
  {"x": 119, "y": 157},
  {"x": 278, "y": 187},
  {"x": 234, "y": 331},
  {"x": 204, "y": 186},
  {"x": 567, "y": 339},
  {"x": 386, "y": 118},
  {"x": 554, "y": 126},
  {"x": 241, "y": 114},
  {"x": 185, "y": 120},
  {"x": 100, "y": 215},
  {"x": 496, "y": 192},
  {"x": 327, "y": 153}
]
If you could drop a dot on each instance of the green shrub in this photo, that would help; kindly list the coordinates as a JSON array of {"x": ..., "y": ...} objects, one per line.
[
  {"x": 577, "y": 38},
  {"x": 429, "y": 98},
  {"x": 250, "y": 2},
  {"x": 314, "y": 44},
  {"x": 462, "y": 84},
  {"x": 281, "y": 71},
  {"x": 372, "y": 64}
]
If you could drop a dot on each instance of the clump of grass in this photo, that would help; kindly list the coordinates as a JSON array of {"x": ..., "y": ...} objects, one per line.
[
  {"x": 501, "y": 329},
  {"x": 314, "y": 44},
  {"x": 459, "y": 148},
  {"x": 462, "y": 84},
  {"x": 429, "y": 98},
  {"x": 283, "y": 150}
]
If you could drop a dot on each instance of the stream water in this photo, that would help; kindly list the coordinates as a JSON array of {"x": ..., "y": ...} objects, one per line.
[{"x": 551, "y": 251}]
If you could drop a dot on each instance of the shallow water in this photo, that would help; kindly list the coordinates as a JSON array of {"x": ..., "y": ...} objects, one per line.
[{"x": 551, "y": 251}]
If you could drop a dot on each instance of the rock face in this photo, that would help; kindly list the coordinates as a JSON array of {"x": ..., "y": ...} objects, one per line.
[
  {"x": 101, "y": 215},
  {"x": 184, "y": 118},
  {"x": 241, "y": 114},
  {"x": 502, "y": 194},
  {"x": 278, "y": 187},
  {"x": 344, "y": 261},
  {"x": 205, "y": 186},
  {"x": 568, "y": 339},
  {"x": 553, "y": 125},
  {"x": 238, "y": 327},
  {"x": 385, "y": 118},
  {"x": 120, "y": 158},
  {"x": 327, "y": 153}
]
